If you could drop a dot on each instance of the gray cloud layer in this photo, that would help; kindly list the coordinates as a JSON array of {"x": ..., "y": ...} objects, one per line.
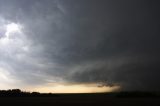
[{"x": 115, "y": 42}]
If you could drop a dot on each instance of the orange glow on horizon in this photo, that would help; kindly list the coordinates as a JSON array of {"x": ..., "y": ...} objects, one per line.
[{"x": 76, "y": 88}]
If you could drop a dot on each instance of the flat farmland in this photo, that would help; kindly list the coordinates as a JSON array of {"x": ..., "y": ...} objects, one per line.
[{"x": 78, "y": 99}]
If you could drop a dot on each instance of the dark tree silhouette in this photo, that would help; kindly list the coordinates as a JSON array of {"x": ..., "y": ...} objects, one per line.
[{"x": 19, "y": 93}]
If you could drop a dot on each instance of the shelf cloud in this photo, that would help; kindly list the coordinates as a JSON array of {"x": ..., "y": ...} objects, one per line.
[{"x": 108, "y": 42}]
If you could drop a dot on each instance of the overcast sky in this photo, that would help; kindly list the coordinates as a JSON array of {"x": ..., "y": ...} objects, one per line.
[{"x": 111, "y": 42}]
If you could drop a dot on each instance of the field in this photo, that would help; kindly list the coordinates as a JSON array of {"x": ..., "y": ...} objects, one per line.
[{"x": 79, "y": 100}]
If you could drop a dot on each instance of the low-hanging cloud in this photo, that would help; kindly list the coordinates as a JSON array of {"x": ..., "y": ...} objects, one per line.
[{"x": 111, "y": 42}]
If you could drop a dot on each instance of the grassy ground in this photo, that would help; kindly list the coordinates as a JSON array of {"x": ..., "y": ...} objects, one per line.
[{"x": 79, "y": 100}]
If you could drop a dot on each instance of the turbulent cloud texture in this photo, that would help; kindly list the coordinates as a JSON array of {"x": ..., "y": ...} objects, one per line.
[{"x": 81, "y": 41}]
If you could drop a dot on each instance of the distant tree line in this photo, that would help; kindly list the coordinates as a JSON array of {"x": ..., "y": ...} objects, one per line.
[
  {"x": 19, "y": 93},
  {"x": 133, "y": 94},
  {"x": 137, "y": 94}
]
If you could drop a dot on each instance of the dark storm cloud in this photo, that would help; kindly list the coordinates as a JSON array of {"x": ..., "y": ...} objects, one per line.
[{"x": 113, "y": 42}]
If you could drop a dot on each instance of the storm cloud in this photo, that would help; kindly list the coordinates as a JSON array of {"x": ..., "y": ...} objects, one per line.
[{"x": 81, "y": 41}]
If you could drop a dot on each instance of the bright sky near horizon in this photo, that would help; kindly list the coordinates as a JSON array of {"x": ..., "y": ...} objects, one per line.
[
  {"x": 79, "y": 45},
  {"x": 9, "y": 38}
]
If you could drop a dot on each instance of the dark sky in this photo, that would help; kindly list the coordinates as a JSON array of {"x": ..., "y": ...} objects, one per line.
[{"x": 115, "y": 42}]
